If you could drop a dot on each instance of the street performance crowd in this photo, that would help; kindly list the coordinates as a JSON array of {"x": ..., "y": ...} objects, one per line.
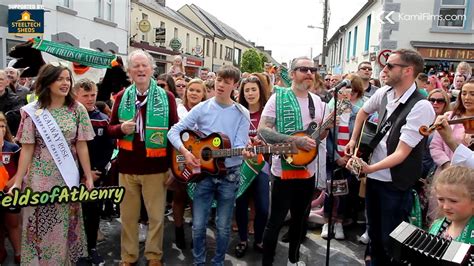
[{"x": 428, "y": 181}]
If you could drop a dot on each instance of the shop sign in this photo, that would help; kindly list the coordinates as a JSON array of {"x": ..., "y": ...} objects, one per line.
[
  {"x": 193, "y": 62},
  {"x": 175, "y": 44},
  {"x": 447, "y": 53}
]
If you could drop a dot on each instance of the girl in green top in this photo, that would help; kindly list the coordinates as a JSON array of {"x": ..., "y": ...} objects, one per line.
[{"x": 454, "y": 188}]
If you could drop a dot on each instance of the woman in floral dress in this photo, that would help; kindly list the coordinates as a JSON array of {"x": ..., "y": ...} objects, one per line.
[{"x": 53, "y": 234}]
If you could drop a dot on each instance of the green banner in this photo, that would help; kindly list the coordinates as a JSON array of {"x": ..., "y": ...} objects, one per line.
[{"x": 78, "y": 55}]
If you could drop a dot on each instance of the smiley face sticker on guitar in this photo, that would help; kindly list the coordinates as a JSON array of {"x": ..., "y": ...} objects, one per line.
[{"x": 216, "y": 142}]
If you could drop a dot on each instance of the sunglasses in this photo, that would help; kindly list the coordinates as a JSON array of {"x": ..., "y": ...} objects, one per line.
[
  {"x": 437, "y": 100},
  {"x": 327, "y": 79},
  {"x": 390, "y": 66},
  {"x": 366, "y": 68},
  {"x": 162, "y": 84},
  {"x": 250, "y": 79},
  {"x": 306, "y": 69},
  {"x": 180, "y": 86}
]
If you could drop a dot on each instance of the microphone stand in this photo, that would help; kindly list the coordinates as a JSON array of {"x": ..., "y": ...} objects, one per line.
[{"x": 330, "y": 194}]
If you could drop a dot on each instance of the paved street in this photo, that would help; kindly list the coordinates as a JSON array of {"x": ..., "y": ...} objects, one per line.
[{"x": 313, "y": 250}]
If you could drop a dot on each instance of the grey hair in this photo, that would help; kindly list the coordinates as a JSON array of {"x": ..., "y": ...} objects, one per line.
[
  {"x": 296, "y": 60},
  {"x": 145, "y": 53}
]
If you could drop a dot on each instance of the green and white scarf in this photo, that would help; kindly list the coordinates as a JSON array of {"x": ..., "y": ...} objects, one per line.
[
  {"x": 288, "y": 121},
  {"x": 157, "y": 119}
]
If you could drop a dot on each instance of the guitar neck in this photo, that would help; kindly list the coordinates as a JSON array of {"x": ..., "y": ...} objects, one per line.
[
  {"x": 238, "y": 151},
  {"x": 329, "y": 120}
]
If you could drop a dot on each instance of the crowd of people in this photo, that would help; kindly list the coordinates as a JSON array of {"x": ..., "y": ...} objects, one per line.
[{"x": 144, "y": 122}]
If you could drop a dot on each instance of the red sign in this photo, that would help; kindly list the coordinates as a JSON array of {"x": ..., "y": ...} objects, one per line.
[
  {"x": 383, "y": 57},
  {"x": 193, "y": 62}
]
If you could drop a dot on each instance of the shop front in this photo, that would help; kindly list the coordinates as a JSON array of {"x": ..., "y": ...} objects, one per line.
[
  {"x": 192, "y": 65},
  {"x": 444, "y": 57}
]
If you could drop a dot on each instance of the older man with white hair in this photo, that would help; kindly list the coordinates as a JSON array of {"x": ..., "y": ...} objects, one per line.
[{"x": 142, "y": 115}]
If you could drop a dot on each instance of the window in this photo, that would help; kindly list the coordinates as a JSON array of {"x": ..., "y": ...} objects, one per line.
[
  {"x": 208, "y": 48},
  {"x": 162, "y": 24},
  {"x": 228, "y": 53},
  {"x": 367, "y": 33},
  {"x": 355, "y": 42},
  {"x": 65, "y": 3},
  {"x": 197, "y": 41},
  {"x": 106, "y": 9},
  {"x": 349, "y": 46},
  {"x": 237, "y": 54},
  {"x": 452, "y": 13},
  {"x": 144, "y": 16},
  {"x": 175, "y": 33},
  {"x": 214, "y": 50},
  {"x": 187, "y": 43},
  {"x": 220, "y": 56},
  {"x": 340, "y": 50}
]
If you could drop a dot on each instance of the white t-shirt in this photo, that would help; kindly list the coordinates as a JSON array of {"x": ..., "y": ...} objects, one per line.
[
  {"x": 320, "y": 108},
  {"x": 422, "y": 113}
]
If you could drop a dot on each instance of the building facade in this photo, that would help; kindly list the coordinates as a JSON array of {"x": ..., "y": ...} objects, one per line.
[
  {"x": 70, "y": 22},
  {"x": 441, "y": 30}
]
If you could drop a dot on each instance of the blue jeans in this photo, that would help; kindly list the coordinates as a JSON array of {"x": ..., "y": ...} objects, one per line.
[
  {"x": 387, "y": 207},
  {"x": 259, "y": 190},
  {"x": 223, "y": 189}
]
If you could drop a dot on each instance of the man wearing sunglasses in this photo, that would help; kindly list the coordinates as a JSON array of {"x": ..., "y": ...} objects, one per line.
[
  {"x": 364, "y": 71},
  {"x": 396, "y": 161},
  {"x": 289, "y": 110}
]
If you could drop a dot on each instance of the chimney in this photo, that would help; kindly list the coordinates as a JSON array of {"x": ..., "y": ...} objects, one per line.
[{"x": 161, "y": 2}]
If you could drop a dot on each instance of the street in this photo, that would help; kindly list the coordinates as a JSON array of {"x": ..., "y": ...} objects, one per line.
[{"x": 313, "y": 249}]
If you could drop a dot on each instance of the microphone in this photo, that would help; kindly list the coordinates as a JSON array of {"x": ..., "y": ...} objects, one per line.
[{"x": 343, "y": 83}]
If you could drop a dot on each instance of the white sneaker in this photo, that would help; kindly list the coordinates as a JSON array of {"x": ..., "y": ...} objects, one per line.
[
  {"x": 338, "y": 231},
  {"x": 364, "y": 239},
  {"x": 299, "y": 263},
  {"x": 142, "y": 232},
  {"x": 325, "y": 231}
]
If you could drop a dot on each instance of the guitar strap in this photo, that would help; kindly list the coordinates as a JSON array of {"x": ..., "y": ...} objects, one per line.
[
  {"x": 312, "y": 110},
  {"x": 385, "y": 125}
]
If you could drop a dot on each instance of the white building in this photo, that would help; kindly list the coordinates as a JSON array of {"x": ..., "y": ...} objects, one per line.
[
  {"x": 382, "y": 26},
  {"x": 100, "y": 25}
]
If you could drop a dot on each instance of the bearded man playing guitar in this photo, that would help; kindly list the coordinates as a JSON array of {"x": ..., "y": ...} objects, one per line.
[
  {"x": 217, "y": 114},
  {"x": 288, "y": 111},
  {"x": 396, "y": 162}
]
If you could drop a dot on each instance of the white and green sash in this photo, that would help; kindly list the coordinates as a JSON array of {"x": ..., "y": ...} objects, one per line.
[{"x": 55, "y": 142}]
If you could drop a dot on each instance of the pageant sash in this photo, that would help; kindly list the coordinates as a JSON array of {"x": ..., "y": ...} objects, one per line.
[{"x": 56, "y": 143}]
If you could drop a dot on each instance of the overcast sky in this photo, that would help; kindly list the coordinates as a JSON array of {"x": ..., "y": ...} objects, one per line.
[{"x": 280, "y": 26}]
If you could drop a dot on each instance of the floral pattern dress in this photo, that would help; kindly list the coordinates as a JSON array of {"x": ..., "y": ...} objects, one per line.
[{"x": 53, "y": 234}]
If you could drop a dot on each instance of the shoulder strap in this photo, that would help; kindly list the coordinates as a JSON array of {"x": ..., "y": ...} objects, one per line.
[
  {"x": 312, "y": 110},
  {"x": 384, "y": 126}
]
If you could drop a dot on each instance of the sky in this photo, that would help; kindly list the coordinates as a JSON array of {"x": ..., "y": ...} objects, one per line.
[{"x": 280, "y": 26}]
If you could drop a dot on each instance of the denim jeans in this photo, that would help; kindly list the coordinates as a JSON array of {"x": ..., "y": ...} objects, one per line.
[
  {"x": 259, "y": 190},
  {"x": 223, "y": 189},
  {"x": 293, "y": 195},
  {"x": 387, "y": 207}
]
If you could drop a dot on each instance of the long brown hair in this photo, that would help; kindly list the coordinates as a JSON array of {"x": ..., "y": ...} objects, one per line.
[
  {"x": 8, "y": 134},
  {"x": 459, "y": 108},
  {"x": 263, "y": 95},
  {"x": 47, "y": 75}
]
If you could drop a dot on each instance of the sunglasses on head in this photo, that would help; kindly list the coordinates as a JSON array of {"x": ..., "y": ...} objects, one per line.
[
  {"x": 306, "y": 69},
  {"x": 437, "y": 100},
  {"x": 390, "y": 66},
  {"x": 250, "y": 79}
]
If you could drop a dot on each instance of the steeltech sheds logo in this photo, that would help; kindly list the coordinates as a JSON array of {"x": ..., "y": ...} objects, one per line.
[{"x": 26, "y": 19}]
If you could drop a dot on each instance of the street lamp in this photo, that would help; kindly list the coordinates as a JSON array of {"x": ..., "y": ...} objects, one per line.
[{"x": 315, "y": 27}]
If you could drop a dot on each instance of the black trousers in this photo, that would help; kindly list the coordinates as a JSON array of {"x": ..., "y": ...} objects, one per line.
[
  {"x": 91, "y": 213},
  {"x": 294, "y": 195}
]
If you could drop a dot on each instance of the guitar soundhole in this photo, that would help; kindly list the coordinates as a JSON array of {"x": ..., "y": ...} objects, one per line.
[{"x": 206, "y": 154}]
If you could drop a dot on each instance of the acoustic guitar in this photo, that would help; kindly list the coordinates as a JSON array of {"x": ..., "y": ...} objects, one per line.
[
  {"x": 304, "y": 157},
  {"x": 212, "y": 151}
]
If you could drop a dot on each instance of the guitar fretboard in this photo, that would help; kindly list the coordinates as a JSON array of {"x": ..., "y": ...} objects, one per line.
[{"x": 258, "y": 150}]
